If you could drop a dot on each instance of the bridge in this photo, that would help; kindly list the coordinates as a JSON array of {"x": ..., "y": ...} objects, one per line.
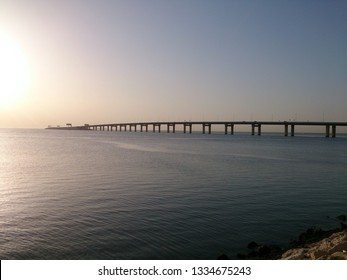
[{"x": 206, "y": 126}]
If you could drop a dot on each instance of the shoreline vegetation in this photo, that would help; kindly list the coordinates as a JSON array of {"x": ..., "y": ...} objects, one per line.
[{"x": 313, "y": 244}]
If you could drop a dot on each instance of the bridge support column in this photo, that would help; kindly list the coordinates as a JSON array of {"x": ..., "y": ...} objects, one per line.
[
  {"x": 327, "y": 130},
  {"x": 185, "y": 125},
  {"x": 333, "y": 132},
  {"x": 231, "y": 128},
  {"x": 285, "y": 130},
  {"x": 158, "y": 125},
  {"x": 144, "y": 126},
  {"x": 132, "y": 126},
  {"x": 254, "y": 125},
  {"x": 292, "y": 129},
  {"x": 208, "y": 125},
  {"x": 173, "y": 128}
]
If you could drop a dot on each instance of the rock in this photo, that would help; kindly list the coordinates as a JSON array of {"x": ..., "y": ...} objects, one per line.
[{"x": 332, "y": 247}]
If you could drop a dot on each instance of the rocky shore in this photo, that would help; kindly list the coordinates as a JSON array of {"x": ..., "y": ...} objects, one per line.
[
  {"x": 333, "y": 247},
  {"x": 313, "y": 244}
]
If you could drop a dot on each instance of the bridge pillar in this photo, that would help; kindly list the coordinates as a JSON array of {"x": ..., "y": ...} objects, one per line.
[
  {"x": 254, "y": 125},
  {"x": 231, "y": 128},
  {"x": 173, "y": 127},
  {"x": 285, "y": 130},
  {"x": 208, "y": 125},
  {"x": 327, "y": 130},
  {"x": 292, "y": 129},
  {"x": 158, "y": 125},
  {"x": 132, "y": 126},
  {"x": 333, "y": 132},
  {"x": 185, "y": 125}
]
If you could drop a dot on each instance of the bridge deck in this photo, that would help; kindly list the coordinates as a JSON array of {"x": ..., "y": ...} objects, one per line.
[{"x": 330, "y": 127}]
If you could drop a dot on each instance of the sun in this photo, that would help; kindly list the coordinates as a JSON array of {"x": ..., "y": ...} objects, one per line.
[{"x": 14, "y": 71}]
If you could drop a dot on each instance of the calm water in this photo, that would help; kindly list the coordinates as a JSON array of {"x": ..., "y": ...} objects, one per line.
[{"x": 109, "y": 195}]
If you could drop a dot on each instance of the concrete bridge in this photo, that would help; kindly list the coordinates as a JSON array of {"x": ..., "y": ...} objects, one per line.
[{"x": 206, "y": 126}]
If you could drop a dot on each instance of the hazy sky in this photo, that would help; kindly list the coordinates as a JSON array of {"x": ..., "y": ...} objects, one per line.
[{"x": 112, "y": 61}]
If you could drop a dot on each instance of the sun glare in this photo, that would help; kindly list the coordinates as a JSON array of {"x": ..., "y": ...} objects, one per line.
[{"x": 14, "y": 71}]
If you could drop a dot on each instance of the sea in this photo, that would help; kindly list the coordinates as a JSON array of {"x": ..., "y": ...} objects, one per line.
[{"x": 68, "y": 194}]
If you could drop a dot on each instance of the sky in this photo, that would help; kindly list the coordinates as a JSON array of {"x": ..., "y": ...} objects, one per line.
[{"x": 109, "y": 61}]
